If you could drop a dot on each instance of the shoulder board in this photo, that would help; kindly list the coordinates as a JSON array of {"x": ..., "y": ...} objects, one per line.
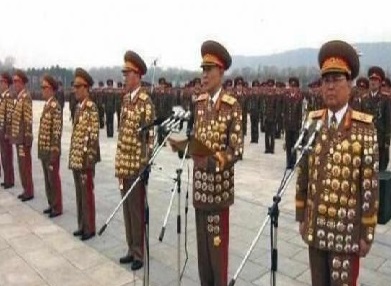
[
  {"x": 316, "y": 113},
  {"x": 228, "y": 99},
  {"x": 143, "y": 96},
  {"x": 202, "y": 97},
  {"x": 363, "y": 117},
  {"x": 385, "y": 93}
]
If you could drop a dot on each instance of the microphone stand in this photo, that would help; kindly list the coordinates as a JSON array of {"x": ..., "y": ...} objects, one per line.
[
  {"x": 176, "y": 189},
  {"x": 144, "y": 172},
  {"x": 272, "y": 216}
]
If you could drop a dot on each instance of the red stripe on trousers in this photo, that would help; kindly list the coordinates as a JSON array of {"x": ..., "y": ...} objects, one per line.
[
  {"x": 26, "y": 175},
  {"x": 90, "y": 199},
  {"x": 225, "y": 245},
  {"x": 7, "y": 160},
  {"x": 55, "y": 173},
  {"x": 355, "y": 269}
]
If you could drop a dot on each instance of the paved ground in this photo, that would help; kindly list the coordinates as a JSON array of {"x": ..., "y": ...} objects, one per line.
[{"x": 257, "y": 179}]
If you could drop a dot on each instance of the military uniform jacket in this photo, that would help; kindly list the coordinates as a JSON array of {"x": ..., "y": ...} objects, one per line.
[
  {"x": 337, "y": 194},
  {"x": 270, "y": 107},
  {"x": 253, "y": 102},
  {"x": 22, "y": 120},
  {"x": 109, "y": 99},
  {"x": 6, "y": 108},
  {"x": 134, "y": 148},
  {"x": 50, "y": 130},
  {"x": 292, "y": 111},
  {"x": 379, "y": 107},
  {"x": 218, "y": 127},
  {"x": 84, "y": 152}
]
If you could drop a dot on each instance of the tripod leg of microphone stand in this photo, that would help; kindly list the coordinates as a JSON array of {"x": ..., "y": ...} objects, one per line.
[
  {"x": 103, "y": 228},
  {"x": 163, "y": 230},
  {"x": 250, "y": 250}
]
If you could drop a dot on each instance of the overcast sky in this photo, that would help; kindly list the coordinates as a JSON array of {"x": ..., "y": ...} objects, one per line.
[{"x": 97, "y": 33}]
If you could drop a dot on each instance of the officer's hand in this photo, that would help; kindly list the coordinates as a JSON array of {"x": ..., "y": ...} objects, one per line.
[
  {"x": 301, "y": 228},
  {"x": 200, "y": 161},
  {"x": 364, "y": 248}
]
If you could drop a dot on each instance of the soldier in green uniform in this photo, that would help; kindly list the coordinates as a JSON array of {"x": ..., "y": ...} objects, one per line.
[
  {"x": 253, "y": 106},
  {"x": 292, "y": 114},
  {"x": 100, "y": 104},
  {"x": 361, "y": 88},
  {"x": 109, "y": 102},
  {"x": 241, "y": 96},
  {"x": 378, "y": 105},
  {"x": 337, "y": 184},
  {"x": 270, "y": 116},
  {"x": 118, "y": 101},
  {"x": 84, "y": 153}
]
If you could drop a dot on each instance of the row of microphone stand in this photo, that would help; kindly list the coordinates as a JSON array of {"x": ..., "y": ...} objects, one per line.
[{"x": 172, "y": 125}]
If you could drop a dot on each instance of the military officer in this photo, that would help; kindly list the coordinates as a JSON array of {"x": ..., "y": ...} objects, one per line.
[
  {"x": 49, "y": 145},
  {"x": 242, "y": 99},
  {"x": 361, "y": 88},
  {"x": 60, "y": 95},
  {"x": 6, "y": 108},
  {"x": 109, "y": 102},
  {"x": 118, "y": 101},
  {"x": 253, "y": 103},
  {"x": 218, "y": 125},
  {"x": 337, "y": 185},
  {"x": 22, "y": 133},
  {"x": 270, "y": 116},
  {"x": 377, "y": 104},
  {"x": 292, "y": 114},
  {"x": 100, "y": 104},
  {"x": 137, "y": 110},
  {"x": 84, "y": 153}
]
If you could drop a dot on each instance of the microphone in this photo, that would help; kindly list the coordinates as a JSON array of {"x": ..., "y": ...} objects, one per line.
[
  {"x": 173, "y": 115},
  {"x": 157, "y": 121},
  {"x": 319, "y": 124},
  {"x": 303, "y": 133},
  {"x": 174, "y": 120}
]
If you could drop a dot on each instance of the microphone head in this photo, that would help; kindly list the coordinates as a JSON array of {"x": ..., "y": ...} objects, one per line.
[
  {"x": 308, "y": 123},
  {"x": 319, "y": 125}
]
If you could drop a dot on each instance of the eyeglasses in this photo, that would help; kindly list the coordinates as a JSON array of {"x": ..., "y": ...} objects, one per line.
[
  {"x": 77, "y": 86},
  {"x": 333, "y": 78},
  {"x": 44, "y": 87}
]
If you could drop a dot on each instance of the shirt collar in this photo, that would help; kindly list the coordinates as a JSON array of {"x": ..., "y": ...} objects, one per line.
[
  {"x": 134, "y": 92},
  {"x": 5, "y": 92},
  {"x": 338, "y": 115},
  {"x": 216, "y": 95}
]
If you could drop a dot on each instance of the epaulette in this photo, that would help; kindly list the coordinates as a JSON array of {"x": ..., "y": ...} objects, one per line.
[
  {"x": 316, "y": 113},
  {"x": 143, "y": 96},
  {"x": 202, "y": 97},
  {"x": 363, "y": 117},
  {"x": 228, "y": 99}
]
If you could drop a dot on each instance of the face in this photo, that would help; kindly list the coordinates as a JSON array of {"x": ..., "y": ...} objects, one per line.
[
  {"x": 131, "y": 80},
  {"x": 336, "y": 89},
  {"x": 18, "y": 84},
  {"x": 47, "y": 90},
  {"x": 211, "y": 77},
  {"x": 374, "y": 83},
  {"x": 239, "y": 87},
  {"x": 80, "y": 88}
]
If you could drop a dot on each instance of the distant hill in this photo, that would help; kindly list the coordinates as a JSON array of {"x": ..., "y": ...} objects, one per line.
[{"x": 372, "y": 54}]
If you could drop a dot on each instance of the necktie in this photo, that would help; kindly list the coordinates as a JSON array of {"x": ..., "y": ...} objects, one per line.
[
  {"x": 333, "y": 122},
  {"x": 211, "y": 103}
]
